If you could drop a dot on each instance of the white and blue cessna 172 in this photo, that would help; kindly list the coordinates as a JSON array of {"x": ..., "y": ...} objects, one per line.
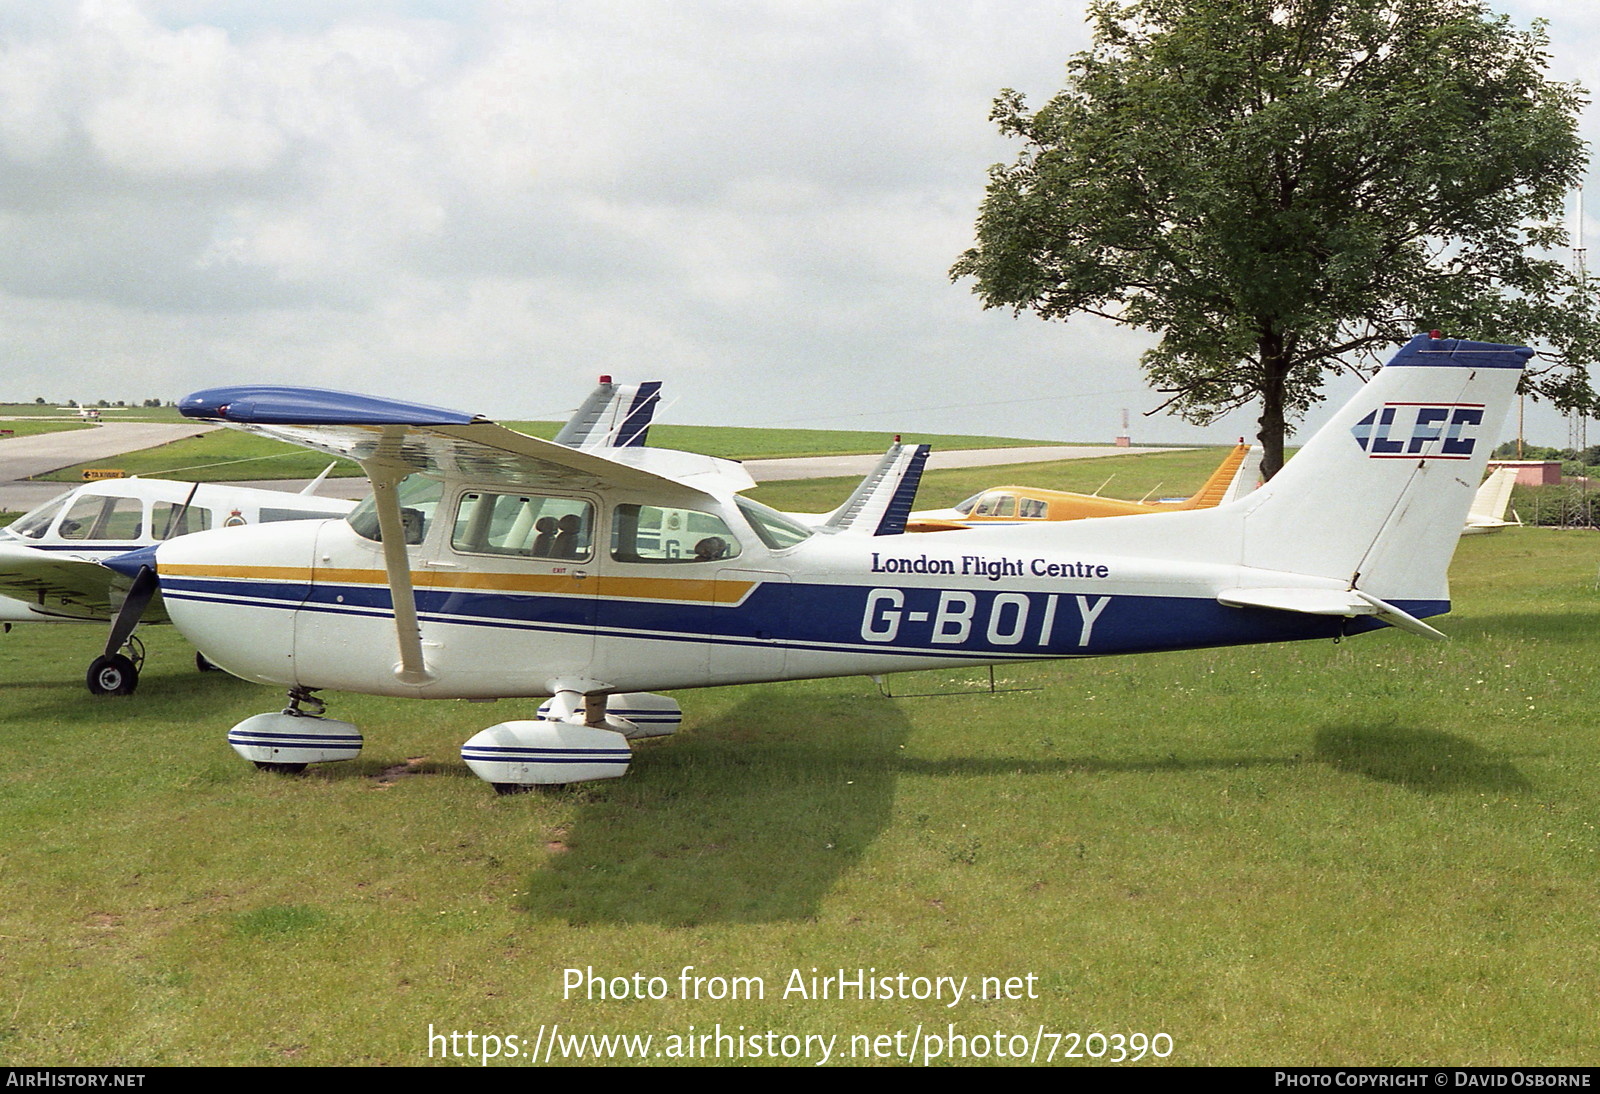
[{"x": 488, "y": 564}]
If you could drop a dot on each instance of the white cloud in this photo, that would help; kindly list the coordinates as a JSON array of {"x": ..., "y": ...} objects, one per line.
[{"x": 485, "y": 203}]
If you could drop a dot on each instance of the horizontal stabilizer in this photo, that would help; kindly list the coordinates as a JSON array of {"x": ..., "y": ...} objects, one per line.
[
  {"x": 1489, "y": 504},
  {"x": 881, "y": 504},
  {"x": 1346, "y": 602}
]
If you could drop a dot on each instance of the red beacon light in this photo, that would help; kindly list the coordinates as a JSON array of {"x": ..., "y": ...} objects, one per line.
[
  {"x": 1435, "y": 335},
  {"x": 605, "y": 379}
]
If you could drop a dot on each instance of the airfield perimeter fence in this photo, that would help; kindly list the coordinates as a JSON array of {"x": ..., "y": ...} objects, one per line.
[{"x": 1570, "y": 505}]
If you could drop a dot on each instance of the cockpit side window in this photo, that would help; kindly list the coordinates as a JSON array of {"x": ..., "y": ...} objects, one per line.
[
  {"x": 97, "y": 518},
  {"x": 996, "y": 505},
  {"x": 419, "y": 498},
  {"x": 651, "y": 533}
]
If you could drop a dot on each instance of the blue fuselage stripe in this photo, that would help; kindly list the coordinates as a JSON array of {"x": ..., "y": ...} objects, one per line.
[{"x": 997, "y": 624}]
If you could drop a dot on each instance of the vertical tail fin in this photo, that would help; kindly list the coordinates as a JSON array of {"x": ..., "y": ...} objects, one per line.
[
  {"x": 1489, "y": 504},
  {"x": 613, "y": 416},
  {"x": 1227, "y": 481},
  {"x": 1247, "y": 478},
  {"x": 1378, "y": 497},
  {"x": 882, "y": 502}
]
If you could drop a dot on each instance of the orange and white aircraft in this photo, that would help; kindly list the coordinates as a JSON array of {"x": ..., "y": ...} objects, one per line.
[{"x": 1237, "y": 475}]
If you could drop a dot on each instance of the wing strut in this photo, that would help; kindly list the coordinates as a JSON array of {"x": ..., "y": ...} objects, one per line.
[{"x": 385, "y": 476}]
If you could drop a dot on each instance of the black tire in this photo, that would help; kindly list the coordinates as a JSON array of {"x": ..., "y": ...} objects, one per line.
[
  {"x": 114, "y": 675},
  {"x": 280, "y": 769},
  {"x": 507, "y": 789},
  {"x": 201, "y": 664}
]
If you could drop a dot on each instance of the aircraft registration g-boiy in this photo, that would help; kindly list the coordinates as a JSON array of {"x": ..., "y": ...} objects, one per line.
[{"x": 487, "y": 564}]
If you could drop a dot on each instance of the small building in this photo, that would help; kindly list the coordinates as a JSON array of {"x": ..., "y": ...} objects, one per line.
[{"x": 1532, "y": 472}]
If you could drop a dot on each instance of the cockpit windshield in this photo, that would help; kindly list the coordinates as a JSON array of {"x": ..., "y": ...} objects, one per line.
[
  {"x": 776, "y": 530},
  {"x": 34, "y": 524}
]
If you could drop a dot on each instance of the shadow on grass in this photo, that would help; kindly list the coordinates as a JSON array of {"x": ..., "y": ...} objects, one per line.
[
  {"x": 1424, "y": 760},
  {"x": 751, "y": 818}
]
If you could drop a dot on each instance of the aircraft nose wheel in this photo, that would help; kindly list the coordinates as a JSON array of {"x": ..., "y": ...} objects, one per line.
[{"x": 113, "y": 675}]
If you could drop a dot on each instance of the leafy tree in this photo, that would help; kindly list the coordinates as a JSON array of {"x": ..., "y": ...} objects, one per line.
[{"x": 1273, "y": 184}]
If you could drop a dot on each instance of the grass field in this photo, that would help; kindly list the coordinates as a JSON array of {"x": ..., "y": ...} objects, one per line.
[
  {"x": 1382, "y": 851},
  {"x": 110, "y": 414},
  {"x": 1157, "y": 474},
  {"x": 13, "y": 428},
  {"x": 227, "y": 455}
]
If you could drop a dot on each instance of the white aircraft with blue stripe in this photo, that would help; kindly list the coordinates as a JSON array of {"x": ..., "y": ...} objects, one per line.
[
  {"x": 489, "y": 564},
  {"x": 50, "y": 557}
]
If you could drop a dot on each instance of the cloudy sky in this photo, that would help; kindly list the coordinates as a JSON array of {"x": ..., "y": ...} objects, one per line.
[{"x": 485, "y": 204}]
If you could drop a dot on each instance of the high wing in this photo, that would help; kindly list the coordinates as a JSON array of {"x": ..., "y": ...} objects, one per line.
[
  {"x": 387, "y": 436},
  {"x": 391, "y": 439}
]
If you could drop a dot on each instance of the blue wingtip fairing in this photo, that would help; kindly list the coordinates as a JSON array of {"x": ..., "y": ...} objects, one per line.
[
  {"x": 312, "y": 406},
  {"x": 1426, "y": 350}
]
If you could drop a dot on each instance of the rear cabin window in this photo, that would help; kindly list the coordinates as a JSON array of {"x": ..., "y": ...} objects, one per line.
[
  {"x": 169, "y": 520},
  {"x": 649, "y": 533},
  {"x": 525, "y": 526}
]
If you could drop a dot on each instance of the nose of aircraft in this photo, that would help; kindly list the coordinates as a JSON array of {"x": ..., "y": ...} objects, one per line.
[
  {"x": 234, "y": 592},
  {"x": 130, "y": 564}
]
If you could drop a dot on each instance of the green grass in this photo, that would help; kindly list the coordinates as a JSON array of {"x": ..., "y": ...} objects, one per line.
[
  {"x": 1158, "y": 474},
  {"x": 226, "y": 455},
  {"x": 1382, "y": 851},
  {"x": 109, "y": 414},
  {"x": 10, "y": 429}
]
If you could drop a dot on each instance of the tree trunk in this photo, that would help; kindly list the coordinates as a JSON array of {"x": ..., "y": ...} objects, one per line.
[{"x": 1274, "y": 384}]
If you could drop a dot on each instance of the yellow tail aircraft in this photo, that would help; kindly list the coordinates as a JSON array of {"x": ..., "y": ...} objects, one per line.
[{"x": 1236, "y": 476}]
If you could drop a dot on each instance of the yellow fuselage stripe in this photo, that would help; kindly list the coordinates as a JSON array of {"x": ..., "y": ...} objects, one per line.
[{"x": 705, "y": 590}]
